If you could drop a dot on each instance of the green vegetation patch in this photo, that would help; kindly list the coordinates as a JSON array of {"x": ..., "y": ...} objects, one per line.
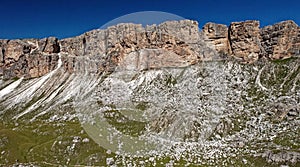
[
  {"x": 124, "y": 124},
  {"x": 49, "y": 143}
]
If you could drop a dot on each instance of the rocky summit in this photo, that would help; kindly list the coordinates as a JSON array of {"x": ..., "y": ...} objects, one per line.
[
  {"x": 159, "y": 95},
  {"x": 179, "y": 42}
]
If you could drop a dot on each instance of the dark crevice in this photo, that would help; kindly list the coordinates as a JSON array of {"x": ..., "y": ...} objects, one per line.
[
  {"x": 49, "y": 61},
  {"x": 217, "y": 37},
  {"x": 26, "y": 49},
  {"x": 3, "y": 53},
  {"x": 56, "y": 47},
  {"x": 229, "y": 38},
  {"x": 84, "y": 45},
  {"x": 44, "y": 47}
]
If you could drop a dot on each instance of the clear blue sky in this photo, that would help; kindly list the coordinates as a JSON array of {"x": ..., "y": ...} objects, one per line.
[{"x": 66, "y": 18}]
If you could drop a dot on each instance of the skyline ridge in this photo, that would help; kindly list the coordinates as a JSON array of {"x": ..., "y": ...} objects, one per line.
[{"x": 199, "y": 26}]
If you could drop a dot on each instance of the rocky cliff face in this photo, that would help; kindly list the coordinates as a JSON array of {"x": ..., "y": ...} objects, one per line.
[
  {"x": 281, "y": 40},
  {"x": 217, "y": 34},
  {"x": 250, "y": 42},
  {"x": 30, "y": 58},
  {"x": 174, "y": 43},
  {"x": 244, "y": 38}
]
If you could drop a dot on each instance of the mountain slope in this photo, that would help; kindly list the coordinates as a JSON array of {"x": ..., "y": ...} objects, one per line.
[{"x": 167, "y": 94}]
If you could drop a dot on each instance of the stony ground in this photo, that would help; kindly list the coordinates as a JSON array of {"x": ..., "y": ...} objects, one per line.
[{"x": 212, "y": 113}]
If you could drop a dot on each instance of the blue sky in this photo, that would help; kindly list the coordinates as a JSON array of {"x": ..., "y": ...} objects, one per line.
[{"x": 67, "y": 18}]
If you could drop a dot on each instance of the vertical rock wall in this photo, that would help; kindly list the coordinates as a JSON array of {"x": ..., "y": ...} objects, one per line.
[
  {"x": 243, "y": 40},
  {"x": 249, "y": 42},
  {"x": 30, "y": 58},
  {"x": 281, "y": 40}
]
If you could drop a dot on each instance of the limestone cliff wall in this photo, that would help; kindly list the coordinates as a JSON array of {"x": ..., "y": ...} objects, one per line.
[
  {"x": 250, "y": 42},
  {"x": 173, "y": 43},
  {"x": 29, "y": 57}
]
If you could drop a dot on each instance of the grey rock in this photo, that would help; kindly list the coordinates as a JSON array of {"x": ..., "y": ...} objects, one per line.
[
  {"x": 49, "y": 45},
  {"x": 73, "y": 46},
  {"x": 283, "y": 156}
]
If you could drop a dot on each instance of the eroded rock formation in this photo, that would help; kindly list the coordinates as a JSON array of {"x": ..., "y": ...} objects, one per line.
[
  {"x": 248, "y": 42},
  {"x": 245, "y": 40},
  {"x": 30, "y": 58},
  {"x": 218, "y": 35},
  {"x": 173, "y": 43},
  {"x": 112, "y": 45},
  {"x": 281, "y": 40}
]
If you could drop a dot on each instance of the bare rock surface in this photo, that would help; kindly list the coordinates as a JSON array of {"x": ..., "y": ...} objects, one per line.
[
  {"x": 172, "y": 49},
  {"x": 28, "y": 57},
  {"x": 245, "y": 40},
  {"x": 217, "y": 34},
  {"x": 113, "y": 44},
  {"x": 178, "y": 43},
  {"x": 281, "y": 40}
]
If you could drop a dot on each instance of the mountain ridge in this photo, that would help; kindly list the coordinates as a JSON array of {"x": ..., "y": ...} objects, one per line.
[
  {"x": 245, "y": 41},
  {"x": 189, "y": 93}
]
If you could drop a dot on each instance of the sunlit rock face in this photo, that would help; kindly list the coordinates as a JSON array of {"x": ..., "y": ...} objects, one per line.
[
  {"x": 281, "y": 40},
  {"x": 245, "y": 40},
  {"x": 156, "y": 48},
  {"x": 146, "y": 59},
  {"x": 161, "y": 91},
  {"x": 114, "y": 43},
  {"x": 218, "y": 35},
  {"x": 30, "y": 58}
]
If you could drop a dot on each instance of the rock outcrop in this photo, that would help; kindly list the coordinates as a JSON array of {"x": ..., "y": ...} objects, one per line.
[
  {"x": 245, "y": 40},
  {"x": 115, "y": 43},
  {"x": 30, "y": 58},
  {"x": 281, "y": 40},
  {"x": 217, "y": 34},
  {"x": 158, "y": 50},
  {"x": 173, "y": 43},
  {"x": 248, "y": 42}
]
